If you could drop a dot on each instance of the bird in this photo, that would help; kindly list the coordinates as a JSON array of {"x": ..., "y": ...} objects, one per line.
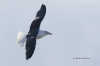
[{"x": 29, "y": 40}]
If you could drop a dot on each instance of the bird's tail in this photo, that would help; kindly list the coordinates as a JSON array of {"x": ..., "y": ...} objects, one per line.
[{"x": 21, "y": 38}]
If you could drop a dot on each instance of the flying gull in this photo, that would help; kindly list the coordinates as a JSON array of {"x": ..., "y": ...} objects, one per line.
[{"x": 34, "y": 33}]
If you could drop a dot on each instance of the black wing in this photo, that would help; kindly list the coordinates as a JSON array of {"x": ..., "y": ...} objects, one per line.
[
  {"x": 32, "y": 34},
  {"x": 38, "y": 19}
]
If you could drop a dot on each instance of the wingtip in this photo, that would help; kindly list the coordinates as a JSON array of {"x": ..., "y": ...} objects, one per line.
[
  {"x": 27, "y": 58},
  {"x": 43, "y": 4}
]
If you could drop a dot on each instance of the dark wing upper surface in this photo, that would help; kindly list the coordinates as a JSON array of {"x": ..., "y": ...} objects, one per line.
[
  {"x": 38, "y": 19},
  {"x": 32, "y": 34},
  {"x": 30, "y": 47}
]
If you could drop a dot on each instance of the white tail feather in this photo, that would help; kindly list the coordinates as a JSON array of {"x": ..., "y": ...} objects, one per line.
[{"x": 21, "y": 38}]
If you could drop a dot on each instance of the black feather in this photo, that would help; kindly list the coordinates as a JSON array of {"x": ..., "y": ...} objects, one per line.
[{"x": 32, "y": 34}]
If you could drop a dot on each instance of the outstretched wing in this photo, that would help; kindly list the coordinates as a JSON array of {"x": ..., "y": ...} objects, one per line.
[
  {"x": 32, "y": 34},
  {"x": 38, "y": 19}
]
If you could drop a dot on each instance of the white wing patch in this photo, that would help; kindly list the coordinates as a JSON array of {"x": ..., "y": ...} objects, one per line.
[
  {"x": 36, "y": 18},
  {"x": 21, "y": 38}
]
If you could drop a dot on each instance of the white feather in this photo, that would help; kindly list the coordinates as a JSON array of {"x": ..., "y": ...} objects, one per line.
[
  {"x": 41, "y": 34},
  {"x": 21, "y": 38}
]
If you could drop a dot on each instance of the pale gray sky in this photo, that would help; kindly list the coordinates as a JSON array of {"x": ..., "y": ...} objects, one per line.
[{"x": 75, "y": 25}]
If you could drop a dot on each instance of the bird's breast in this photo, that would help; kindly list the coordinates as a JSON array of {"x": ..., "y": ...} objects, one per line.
[{"x": 40, "y": 35}]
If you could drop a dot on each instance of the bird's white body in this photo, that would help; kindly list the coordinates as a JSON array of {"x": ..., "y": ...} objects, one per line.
[{"x": 21, "y": 37}]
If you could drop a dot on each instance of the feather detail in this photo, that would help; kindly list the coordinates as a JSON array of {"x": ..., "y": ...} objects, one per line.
[{"x": 21, "y": 38}]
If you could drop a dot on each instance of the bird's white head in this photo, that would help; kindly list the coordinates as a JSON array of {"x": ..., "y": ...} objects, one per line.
[
  {"x": 42, "y": 34},
  {"x": 47, "y": 33}
]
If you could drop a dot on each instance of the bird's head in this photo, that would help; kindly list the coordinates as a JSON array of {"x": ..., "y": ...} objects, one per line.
[{"x": 48, "y": 33}]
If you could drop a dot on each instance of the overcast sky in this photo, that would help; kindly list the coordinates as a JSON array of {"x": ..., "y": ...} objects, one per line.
[{"x": 75, "y": 25}]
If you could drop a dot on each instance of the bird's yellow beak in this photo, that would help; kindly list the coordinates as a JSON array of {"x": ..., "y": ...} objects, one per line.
[{"x": 50, "y": 33}]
